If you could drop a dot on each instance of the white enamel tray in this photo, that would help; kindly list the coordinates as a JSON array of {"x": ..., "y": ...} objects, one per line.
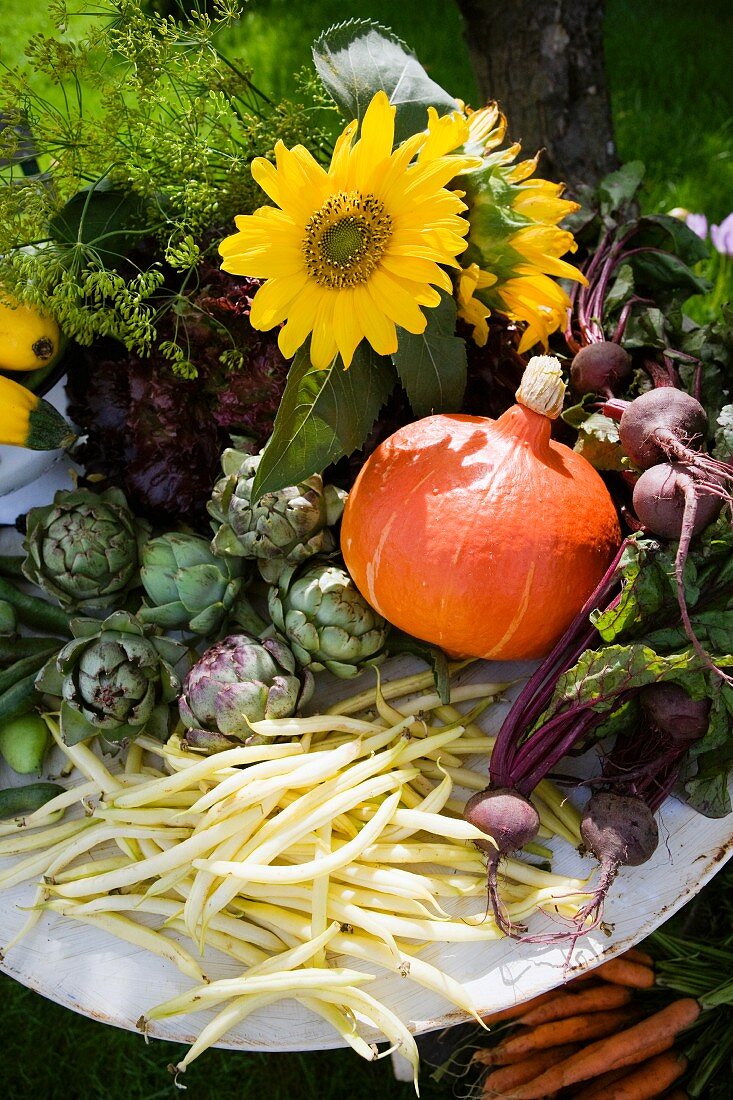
[{"x": 92, "y": 973}]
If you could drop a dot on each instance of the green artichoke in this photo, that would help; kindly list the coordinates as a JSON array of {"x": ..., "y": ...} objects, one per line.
[
  {"x": 114, "y": 678},
  {"x": 84, "y": 549},
  {"x": 241, "y": 678},
  {"x": 189, "y": 588},
  {"x": 326, "y": 620},
  {"x": 283, "y": 528}
]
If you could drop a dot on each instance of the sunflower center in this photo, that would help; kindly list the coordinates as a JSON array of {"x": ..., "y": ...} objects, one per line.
[{"x": 345, "y": 239}]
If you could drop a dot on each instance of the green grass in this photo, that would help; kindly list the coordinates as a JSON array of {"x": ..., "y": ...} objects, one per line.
[{"x": 668, "y": 67}]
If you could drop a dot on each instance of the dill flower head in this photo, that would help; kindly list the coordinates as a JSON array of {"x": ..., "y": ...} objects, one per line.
[
  {"x": 352, "y": 252},
  {"x": 515, "y": 243}
]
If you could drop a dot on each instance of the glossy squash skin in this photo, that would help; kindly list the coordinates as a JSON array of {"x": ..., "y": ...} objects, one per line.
[{"x": 484, "y": 537}]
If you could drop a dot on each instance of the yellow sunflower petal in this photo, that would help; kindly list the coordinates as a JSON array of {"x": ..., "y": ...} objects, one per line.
[
  {"x": 396, "y": 302},
  {"x": 346, "y": 330},
  {"x": 323, "y": 342},
  {"x": 445, "y": 133},
  {"x": 272, "y": 301},
  {"x": 378, "y": 329}
]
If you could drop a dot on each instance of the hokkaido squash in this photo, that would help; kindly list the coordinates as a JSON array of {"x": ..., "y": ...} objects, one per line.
[{"x": 484, "y": 537}]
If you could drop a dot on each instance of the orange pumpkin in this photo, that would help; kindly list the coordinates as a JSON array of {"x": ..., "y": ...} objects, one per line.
[{"x": 482, "y": 536}]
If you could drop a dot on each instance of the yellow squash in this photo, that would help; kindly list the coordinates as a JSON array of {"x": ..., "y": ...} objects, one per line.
[
  {"x": 28, "y": 339},
  {"x": 26, "y": 420}
]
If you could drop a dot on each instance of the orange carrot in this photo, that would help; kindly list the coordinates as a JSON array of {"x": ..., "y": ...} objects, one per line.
[
  {"x": 624, "y": 972},
  {"x": 583, "y": 1092},
  {"x": 572, "y": 1029},
  {"x": 636, "y": 955},
  {"x": 506, "y": 1078},
  {"x": 651, "y": 1078},
  {"x": 590, "y": 999},
  {"x": 609, "y": 1053},
  {"x": 514, "y": 1011}
]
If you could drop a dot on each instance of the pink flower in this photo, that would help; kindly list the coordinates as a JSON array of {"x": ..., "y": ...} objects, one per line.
[
  {"x": 722, "y": 236},
  {"x": 698, "y": 223}
]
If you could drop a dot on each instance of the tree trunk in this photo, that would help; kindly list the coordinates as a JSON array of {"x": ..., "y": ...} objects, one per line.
[{"x": 543, "y": 61}]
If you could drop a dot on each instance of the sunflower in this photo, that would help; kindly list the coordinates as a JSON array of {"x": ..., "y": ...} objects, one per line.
[
  {"x": 515, "y": 243},
  {"x": 352, "y": 252}
]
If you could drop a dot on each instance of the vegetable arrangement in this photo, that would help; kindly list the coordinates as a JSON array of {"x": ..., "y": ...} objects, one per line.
[
  {"x": 418, "y": 253},
  {"x": 287, "y": 856}
]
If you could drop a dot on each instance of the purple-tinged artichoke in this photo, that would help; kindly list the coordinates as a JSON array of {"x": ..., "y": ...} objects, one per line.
[{"x": 243, "y": 679}]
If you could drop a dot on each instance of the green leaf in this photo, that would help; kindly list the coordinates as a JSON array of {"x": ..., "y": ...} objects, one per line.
[
  {"x": 724, "y": 435},
  {"x": 598, "y": 442},
  {"x": 673, "y": 235},
  {"x": 601, "y": 675},
  {"x": 301, "y": 443},
  {"x": 621, "y": 288},
  {"x": 646, "y": 329},
  {"x": 349, "y": 400},
  {"x": 711, "y": 759},
  {"x": 102, "y": 218},
  {"x": 619, "y": 188},
  {"x": 660, "y": 274},
  {"x": 433, "y": 366},
  {"x": 357, "y": 58},
  {"x": 643, "y": 592}
]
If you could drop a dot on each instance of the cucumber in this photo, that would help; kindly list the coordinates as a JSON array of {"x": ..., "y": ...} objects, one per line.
[
  {"x": 21, "y": 669},
  {"x": 17, "y": 801},
  {"x": 12, "y": 649},
  {"x": 8, "y": 619},
  {"x": 34, "y": 611},
  {"x": 19, "y": 699}
]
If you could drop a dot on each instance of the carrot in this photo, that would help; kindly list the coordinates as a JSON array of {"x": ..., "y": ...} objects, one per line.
[
  {"x": 651, "y": 1078},
  {"x": 625, "y": 972},
  {"x": 506, "y": 1078},
  {"x": 636, "y": 955},
  {"x": 591, "y": 999},
  {"x": 609, "y": 1053},
  {"x": 588, "y": 1092},
  {"x": 572, "y": 1029},
  {"x": 514, "y": 1011}
]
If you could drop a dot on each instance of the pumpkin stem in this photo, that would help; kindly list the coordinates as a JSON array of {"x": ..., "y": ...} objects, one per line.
[{"x": 542, "y": 389}]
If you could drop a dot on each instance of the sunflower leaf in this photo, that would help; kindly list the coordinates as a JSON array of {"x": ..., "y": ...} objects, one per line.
[
  {"x": 357, "y": 58},
  {"x": 301, "y": 443},
  {"x": 349, "y": 400},
  {"x": 432, "y": 366}
]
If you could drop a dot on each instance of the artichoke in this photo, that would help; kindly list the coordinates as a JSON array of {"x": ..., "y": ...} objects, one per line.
[
  {"x": 189, "y": 588},
  {"x": 115, "y": 677},
  {"x": 243, "y": 678},
  {"x": 326, "y": 620},
  {"x": 283, "y": 528},
  {"x": 84, "y": 549}
]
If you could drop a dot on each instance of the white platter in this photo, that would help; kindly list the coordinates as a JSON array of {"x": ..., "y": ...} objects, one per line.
[{"x": 94, "y": 974}]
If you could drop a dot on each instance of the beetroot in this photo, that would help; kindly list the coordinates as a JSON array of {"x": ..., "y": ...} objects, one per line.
[
  {"x": 662, "y": 424},
  {"x": 599, "y": 368},
  {"x": 511, "y": 821},
  {"x": 674, "y": 713},
  {"x": 620, "y": 831},
  {"x": 677, "y": 501}
]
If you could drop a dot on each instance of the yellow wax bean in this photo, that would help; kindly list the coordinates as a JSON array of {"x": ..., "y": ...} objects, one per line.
[
  {"x": 179, "y": 855},
  {"x": 84, "y": 760},
  {"x": 250, "y": 871},
  {"x": 28, "y": 842},
  {"x": 40, "y": 818},
  {"x": 368, "y": 950},
  {"x": 141, "y": 936},
  {"x": 228, "y": 1018},
  {"x": 319, "y": 723},
  {"x": 288, "y": 983},
  {"x": 211, "y": 766},
  {"x": 394, "y": 689},
  {"x": 343, "y": 1025}
]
